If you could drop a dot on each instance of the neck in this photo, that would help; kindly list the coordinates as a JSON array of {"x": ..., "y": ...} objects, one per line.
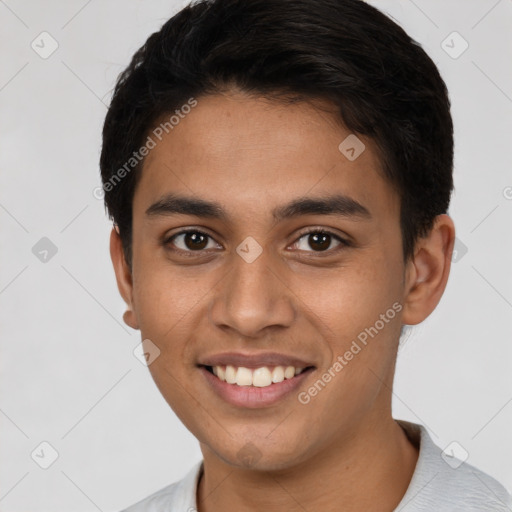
[{"x": 370, "y": 469}]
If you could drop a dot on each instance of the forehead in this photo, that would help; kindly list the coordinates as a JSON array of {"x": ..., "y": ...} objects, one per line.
[{"x": 252, "y": 154}]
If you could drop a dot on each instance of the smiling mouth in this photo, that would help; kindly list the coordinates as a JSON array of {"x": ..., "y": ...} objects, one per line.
[{"x": 262, "y": 377}]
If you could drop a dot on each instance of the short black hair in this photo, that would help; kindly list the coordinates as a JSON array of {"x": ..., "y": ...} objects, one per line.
[{"x": 379, "y": 80}]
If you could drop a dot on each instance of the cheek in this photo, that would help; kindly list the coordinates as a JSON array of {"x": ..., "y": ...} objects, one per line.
[
  {"x": 356, "y": 312},
  {"x": 349, "y": 299},
  {"x": 164, "y": 298}
]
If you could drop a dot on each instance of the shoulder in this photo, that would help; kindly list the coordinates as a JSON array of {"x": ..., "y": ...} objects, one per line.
[
  {"x": 444, "y": 483},
  {"x": 179, "y": 495}
]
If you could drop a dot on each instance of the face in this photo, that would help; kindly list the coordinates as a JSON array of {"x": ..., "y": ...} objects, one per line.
[{"x": 292, "y": 259}]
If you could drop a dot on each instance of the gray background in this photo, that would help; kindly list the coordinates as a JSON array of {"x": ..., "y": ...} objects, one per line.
[{"x": 68, "y": 373}]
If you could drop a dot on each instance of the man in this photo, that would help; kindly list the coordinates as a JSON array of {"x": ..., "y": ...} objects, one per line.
[{"x": 279, "y": 173}]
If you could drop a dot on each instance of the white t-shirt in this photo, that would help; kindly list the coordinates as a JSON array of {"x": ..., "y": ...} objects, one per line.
[{"x": 440, "y": 483}]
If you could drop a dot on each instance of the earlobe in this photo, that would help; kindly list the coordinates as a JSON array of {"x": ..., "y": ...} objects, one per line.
[
  {"x": 130, "y": 319},
  {"x": 427, "y": 273},
  {"x": 123, "y": 277}
]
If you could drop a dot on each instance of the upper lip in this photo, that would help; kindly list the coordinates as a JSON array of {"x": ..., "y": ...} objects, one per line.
[{"x": 253, "y": 360}]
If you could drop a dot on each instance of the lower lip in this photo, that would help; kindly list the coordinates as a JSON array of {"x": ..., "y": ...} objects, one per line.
[{"x": 252, "y": 396}]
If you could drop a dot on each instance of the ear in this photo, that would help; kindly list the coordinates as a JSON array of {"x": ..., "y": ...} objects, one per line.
[
  {"x": 123, "y": 277},
  {"x": 427, "y": 272}
]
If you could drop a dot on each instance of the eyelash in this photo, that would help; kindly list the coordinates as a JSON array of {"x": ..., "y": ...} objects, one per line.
[{"x": 190, "y": 253}]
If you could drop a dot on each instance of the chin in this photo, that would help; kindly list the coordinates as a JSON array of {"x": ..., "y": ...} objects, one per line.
[{"x": 259, "y": 454}]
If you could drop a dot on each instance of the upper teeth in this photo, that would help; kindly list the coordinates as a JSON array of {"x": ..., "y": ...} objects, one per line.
[{"x": 259, "y": 377}]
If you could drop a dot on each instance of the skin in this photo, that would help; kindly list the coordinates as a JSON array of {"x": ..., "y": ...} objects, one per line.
[{"x": 252, "y": 155}]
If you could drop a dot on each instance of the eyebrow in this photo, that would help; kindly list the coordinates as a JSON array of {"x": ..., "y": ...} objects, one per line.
[{"x": 341, "y": 205}]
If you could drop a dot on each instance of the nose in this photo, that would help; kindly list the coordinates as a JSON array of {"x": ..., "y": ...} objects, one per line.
[{"x": 252, "y": 297}]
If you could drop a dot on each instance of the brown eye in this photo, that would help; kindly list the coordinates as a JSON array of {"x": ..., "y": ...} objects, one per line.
[
  {"x": 189, "y": 241},
  {"x": 319, "y": 241},
  {"x": 195, "y": 241}
]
